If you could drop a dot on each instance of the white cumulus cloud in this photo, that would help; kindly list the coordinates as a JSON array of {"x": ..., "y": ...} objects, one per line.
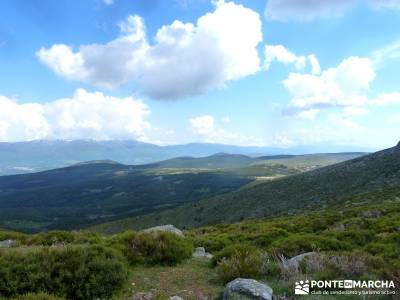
[
  {"x": 341, "y": 86},
  {"x": 283, "y": 55},
  {"x": 208, "y": 131},
  {"x": 184, "y": 59},
  {"x": 83, "y": 116}
]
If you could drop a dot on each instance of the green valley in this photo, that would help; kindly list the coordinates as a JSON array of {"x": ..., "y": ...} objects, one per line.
[{"x": 94, "y": 192}]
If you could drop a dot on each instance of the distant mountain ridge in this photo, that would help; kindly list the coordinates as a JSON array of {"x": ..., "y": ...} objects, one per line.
[
  {"x": 33, "y": 156},
  {"x": 371, "y": 174}
]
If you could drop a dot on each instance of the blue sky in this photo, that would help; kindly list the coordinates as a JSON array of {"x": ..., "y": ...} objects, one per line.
[{"x": 279, "y": 73}]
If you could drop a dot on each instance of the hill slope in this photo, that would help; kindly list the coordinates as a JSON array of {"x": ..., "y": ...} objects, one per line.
[
  {"x": 84, "y": 194},
  {"x": 289, "y": 195},
  {"x": 98, "y": 191}
]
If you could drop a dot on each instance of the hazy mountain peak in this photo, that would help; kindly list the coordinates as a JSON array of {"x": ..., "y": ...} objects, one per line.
[{"x": 94, "y": 162}]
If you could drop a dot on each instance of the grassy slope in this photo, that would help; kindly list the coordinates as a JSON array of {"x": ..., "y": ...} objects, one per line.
[
  {"x": 289, "y": 195},
  {"x": 370, "y": 232}
]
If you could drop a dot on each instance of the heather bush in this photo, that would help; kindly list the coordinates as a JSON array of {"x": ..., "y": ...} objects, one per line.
[
  {"x": 156, "y": 248},
  {"x": 74, "y": 272},
  {"x": 238, "y": 261},
  {"x": 37, "y": 296}
]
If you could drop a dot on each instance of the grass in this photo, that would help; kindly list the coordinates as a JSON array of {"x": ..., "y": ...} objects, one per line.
[
  {"x": 355, "y": 240},
  {"x": 193, "y": 279}
]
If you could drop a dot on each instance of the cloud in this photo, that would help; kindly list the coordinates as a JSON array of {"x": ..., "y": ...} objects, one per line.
[
  {"x": 208, "y": 131},
  {"x": 352, "y": 111},
  {"x": 83, "y": 116},
  {"x": 309, "y": 114},
  {"x": 393, "y": 119},
  {"x": 387, "y": 99},
  {"x": 342, "y": 86},
  {"x": 387, "y": 53},
  {"x": 281, "y": 54},
  {"x": 185, "y": 59},
  {"x": 308, "y": 10},
  {"x": 108, "y": 2},
  {"x": 384, "y": 4}
]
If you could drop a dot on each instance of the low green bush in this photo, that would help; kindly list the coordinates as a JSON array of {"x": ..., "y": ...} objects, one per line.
[
  {"x": 74, "y": 272},
  {"x": 38, "y": 296},
  {"x": 300, "y": 243},
  {"x": 51, "y": 237},
  {"x": 236, "y": 249},
  {"x": 242, "y": 262},
  {"x": 156, "y": 248},
  {"x": 62, "y": 237},
  {"x": 213, "y": 242}
]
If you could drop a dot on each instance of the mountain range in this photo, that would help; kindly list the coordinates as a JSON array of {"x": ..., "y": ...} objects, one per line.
[{"x": 40, "y": 155}]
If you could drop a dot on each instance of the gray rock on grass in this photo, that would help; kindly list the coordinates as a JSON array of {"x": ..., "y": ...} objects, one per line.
[
  {"x": 294, "y": 262},
  {"x": 242, "y": 289},
  {"x": 165, "y": 228},
  {"x": 6, "y": 243},
  {"x": 200, "y": 252}
]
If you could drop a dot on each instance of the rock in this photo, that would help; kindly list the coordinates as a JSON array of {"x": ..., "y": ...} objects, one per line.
[
  {"x": 6, "y": 243},
  {"x": 340, "y": 227},
  {"x": 372, "y": 214},
  {"x": 294, "y": 262},
  {"x": 397, "y": 229},
  {"x": 200, "y": 252},
  {"x": 175, "y": 298},
  {"x": 143, "y": 296},
  {"x": 242, "y": 288},
  {"x": 58, "y": 245},
  {"x": 165, "y": 228}
]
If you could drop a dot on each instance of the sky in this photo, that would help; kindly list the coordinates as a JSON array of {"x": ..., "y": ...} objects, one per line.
[{"x": 276, "y": 73}]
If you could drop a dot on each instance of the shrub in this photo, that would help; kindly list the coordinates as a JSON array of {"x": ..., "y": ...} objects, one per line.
[
  {"x": 387, "y": 251},
  {"x": 157, "y": 248},
  {"x": 300, "y": 243},
  {"x": 51, "y": 237},
  {"x": 228, "y": 252},
  {"x": 213, "y": 242},
  {"x": 355, "y": 237},
  {"x": 267, "y": 237},
  {"x": 76, "y": 272},
  {"x": 241, "y": 262},
  {"x": 39, "y": 296}
]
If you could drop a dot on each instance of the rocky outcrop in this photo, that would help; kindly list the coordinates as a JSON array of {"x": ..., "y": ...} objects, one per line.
[
  {"x": 175, "y": 298},
  {"x": 242, "y": 288},
  {"x": 6, "y": 243},
  {"x": 294, "y": 262},
  {"x": 200, "y": 252},
  {"x": 165, "y": 228}
]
